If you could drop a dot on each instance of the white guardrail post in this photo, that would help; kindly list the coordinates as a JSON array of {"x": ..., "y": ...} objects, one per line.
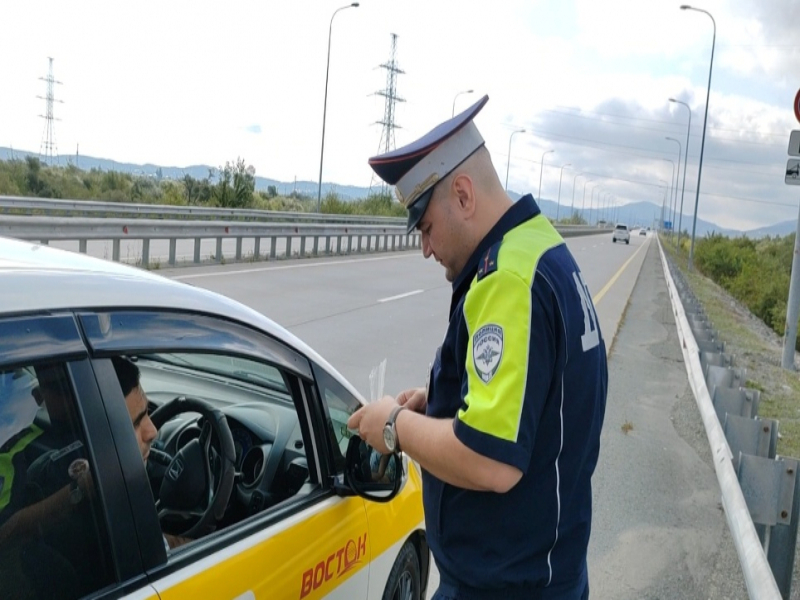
[{"x": 758, "y": 576}]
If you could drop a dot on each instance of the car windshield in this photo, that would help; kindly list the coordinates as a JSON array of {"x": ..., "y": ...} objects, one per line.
[
  {"x": 241, "y": 369},
  {"x": 625, "y": 227}
]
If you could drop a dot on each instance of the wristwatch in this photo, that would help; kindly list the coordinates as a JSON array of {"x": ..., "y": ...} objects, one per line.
[
  {"x": 75, "y": 492},
  {"x": 390, "y": 431}
]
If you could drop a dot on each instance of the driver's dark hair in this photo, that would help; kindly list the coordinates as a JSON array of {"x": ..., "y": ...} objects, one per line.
[{"x": 127, "y": 373}]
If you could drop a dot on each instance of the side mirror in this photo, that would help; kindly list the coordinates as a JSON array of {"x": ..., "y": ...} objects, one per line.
[{"x": 370, "y": 474}]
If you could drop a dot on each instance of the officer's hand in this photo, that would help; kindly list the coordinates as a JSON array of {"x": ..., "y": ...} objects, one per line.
[
  {"x": 369, "y": 421},
  {"x": 415, "y": 399}
]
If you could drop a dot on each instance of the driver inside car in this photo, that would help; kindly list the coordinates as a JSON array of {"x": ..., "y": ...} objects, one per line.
[
  {"x": 47, "y": 474},
  {"x": 143, "y": 427}
]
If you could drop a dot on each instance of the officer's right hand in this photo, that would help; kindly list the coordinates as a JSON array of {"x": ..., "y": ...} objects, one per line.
[{"x": 415, "y": 399}]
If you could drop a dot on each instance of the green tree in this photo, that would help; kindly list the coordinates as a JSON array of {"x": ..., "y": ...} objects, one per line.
[{"x": 235, "y": 186}]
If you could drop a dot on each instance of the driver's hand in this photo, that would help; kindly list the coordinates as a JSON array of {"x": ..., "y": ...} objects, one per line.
[{"x": 173, "y": 541}]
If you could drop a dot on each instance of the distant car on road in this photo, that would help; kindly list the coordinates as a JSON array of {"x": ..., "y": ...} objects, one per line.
[
  {"x": 643, "y": 232},
  {"x": 621, "y": 234}
]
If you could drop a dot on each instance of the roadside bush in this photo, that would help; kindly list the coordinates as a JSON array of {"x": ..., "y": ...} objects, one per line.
[{"x": 757, "y": 273}]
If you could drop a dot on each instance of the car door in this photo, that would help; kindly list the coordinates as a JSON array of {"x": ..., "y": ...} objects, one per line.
[
  {"x": 307, "y": 542},
  {"x": 65, "y": 521}
]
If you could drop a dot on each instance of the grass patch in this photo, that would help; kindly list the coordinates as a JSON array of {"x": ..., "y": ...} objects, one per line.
[
  {"x": 626, "y": 427},
  {"x": 756, "y": 348}
]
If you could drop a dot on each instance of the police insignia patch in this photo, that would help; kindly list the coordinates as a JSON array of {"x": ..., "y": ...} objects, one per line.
[
  {"x": 488, "y": 263},
  {"x": 487, "y": 350}
]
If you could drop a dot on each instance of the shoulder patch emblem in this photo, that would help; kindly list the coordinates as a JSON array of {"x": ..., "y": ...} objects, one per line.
[
  {"x": 488, "y": 262},
  {"x": 487, "y": 351}
]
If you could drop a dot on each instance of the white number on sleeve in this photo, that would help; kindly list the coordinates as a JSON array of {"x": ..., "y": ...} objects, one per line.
[{"x": 590, "y": 337}]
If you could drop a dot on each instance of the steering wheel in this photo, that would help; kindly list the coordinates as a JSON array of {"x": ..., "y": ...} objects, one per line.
[{"x": 188, "y": 490}]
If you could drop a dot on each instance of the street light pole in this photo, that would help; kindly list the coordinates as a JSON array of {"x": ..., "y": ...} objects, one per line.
[
  {"x": 325, "y": 103},
  {"x": 705, "y": 121},
  {"x": 685, "y": 158},
  {"x": 575, "y": 179},
  {"x": 672, "y": 177},
  {"x": 583, "y": 204},
  {"x": 677, "y": 176},
  {"x": 591, "y": 200},
  {"x": 454, "y": 100},
  {"x": 558, "y": 206},
  {"x": 541, "y": 169},
  {"x": 508, "y": 160}
]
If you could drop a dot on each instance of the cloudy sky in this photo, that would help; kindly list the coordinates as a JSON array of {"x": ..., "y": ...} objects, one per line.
[{"x": 180, "y": 83}]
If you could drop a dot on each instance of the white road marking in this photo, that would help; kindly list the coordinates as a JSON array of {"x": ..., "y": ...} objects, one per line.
[
  {"x": 399, "y": 296},
  {"x": 299, "y": 266}
]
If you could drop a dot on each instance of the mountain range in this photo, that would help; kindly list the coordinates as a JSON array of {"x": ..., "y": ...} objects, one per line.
[{"x": 634, "y": 214}]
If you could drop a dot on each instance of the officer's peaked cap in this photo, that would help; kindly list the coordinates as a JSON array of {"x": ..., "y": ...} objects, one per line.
[{"x": 417, "y": 167}]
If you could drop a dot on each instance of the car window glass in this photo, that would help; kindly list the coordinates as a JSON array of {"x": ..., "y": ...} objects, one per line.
[
  {"x": 256, "y": 398},
  {"x": 339, "y": 404},
  {"x": 52, "y": 530}
]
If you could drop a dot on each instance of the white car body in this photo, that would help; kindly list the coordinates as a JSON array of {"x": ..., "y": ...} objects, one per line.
[{"x": 621, "y": 234}]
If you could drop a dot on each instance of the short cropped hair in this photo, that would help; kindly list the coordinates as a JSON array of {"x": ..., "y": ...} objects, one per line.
[{"x": 127, "y": 373}]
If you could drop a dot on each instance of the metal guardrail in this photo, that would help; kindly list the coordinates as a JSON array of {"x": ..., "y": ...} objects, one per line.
[
  {"x": 94, "y": 208},
  {"x": 282, "y": 237},
  {"x": 348, "y": 238},
  {"x": 710, "y": 371}
]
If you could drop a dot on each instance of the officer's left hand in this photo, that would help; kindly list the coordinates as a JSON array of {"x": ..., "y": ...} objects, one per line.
[{"x": 369, "y": 421}]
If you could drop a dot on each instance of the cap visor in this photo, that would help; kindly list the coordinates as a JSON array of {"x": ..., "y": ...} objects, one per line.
[{"x": 416, "y": 210}]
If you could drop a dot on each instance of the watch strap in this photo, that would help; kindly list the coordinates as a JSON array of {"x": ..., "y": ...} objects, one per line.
[{"x": 391, "y": 422}]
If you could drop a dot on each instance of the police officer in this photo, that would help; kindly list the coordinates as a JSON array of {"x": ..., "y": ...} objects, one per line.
[{"x": 507, "y": 431}]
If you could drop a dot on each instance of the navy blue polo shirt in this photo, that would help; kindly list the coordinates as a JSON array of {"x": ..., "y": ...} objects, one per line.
[{"x": 522, "y": 371}]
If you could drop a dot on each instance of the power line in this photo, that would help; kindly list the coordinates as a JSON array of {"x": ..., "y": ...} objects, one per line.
[
  {"x": 639, "y": 150},
  {"x": 661, "y": 121}
]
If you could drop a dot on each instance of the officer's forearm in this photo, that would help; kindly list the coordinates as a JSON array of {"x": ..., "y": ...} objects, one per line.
[{"x": 434, "y": 445}]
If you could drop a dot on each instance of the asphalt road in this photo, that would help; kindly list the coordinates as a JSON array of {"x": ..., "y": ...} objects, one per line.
[{"x": 356, "y": 311}]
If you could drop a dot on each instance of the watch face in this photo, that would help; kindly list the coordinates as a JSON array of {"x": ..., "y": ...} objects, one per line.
[{"x": 388, "y": 438}]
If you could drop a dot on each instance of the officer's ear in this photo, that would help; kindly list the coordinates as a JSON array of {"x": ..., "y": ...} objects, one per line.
[{"x": 464, "y": 192}]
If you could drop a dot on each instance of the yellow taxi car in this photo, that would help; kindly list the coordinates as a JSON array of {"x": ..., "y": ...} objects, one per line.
[{"x": 235, "y": 478}]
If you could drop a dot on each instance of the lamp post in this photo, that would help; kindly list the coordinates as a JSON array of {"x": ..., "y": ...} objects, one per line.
[
  {"x": 558, "y": 205},
  {"x": 705, "y": 121},
  {"x": 508, "y": 160},
  {"x": 572, "y": 210},
  {"x": 591, "y": 200},
  {"x": 677, "y": 176},
  {"x": 541, "y": 169},
  {"x": 601, "y": 206},
  {"x": 583, "y": 204},
  {"x": 325, "y": 103},
  {"x": 454, "y": 100},
  {"x": 663, "y": 202},
  {"x": 685, "y": 158},
  {"x": 672, "y": 177}
]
